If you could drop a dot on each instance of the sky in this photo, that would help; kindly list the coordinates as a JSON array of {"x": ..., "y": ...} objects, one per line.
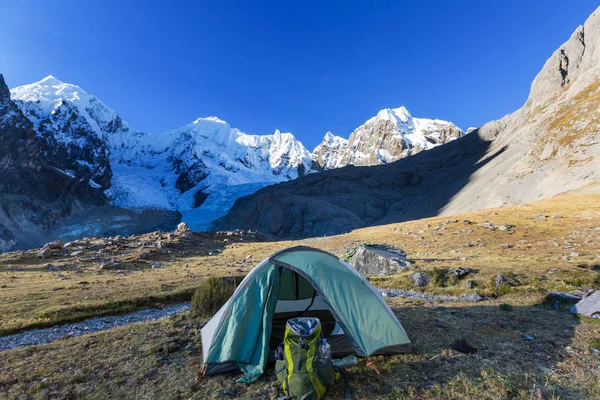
[{"x": 305, "y": 67}]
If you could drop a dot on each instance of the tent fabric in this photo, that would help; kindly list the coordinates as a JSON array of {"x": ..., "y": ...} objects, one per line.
[{"x": 296, "y": 280}]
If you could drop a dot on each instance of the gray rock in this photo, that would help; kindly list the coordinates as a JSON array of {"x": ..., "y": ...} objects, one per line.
[
  {"x": 556, "y": 217},
  {"x": 379, "y": 260},
  {"x": 45, "y": 252},
  {"x": 470, "y": 284},
  {"x": 499, "y": 279},
  {"x": 182, "y": 227},
  {"x": 540, "y": 216},
  {"x": 420, "y": 279},
  {"x": 55, "y": 245},
  {"x": 589, "y": 305},
  {"x": 460, "y": 272},
  {"x": 562, "y": 297},
  {"x": 470, "y": 297}
]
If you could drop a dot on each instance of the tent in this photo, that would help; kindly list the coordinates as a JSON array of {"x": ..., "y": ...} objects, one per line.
[{"x": 299, "y": 281}]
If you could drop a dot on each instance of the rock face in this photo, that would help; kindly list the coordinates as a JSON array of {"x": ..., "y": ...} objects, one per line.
[
  {"x": 34, "y": 194},
  {"x": 589, "y": 305},
  {"x": 549, "y": 146},
  {"x": 379, "y": 260},
  {"x": 389, "y": 136}
]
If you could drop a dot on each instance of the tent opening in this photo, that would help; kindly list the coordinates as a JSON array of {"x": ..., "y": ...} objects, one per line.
[{"x": 298, "y": 298}]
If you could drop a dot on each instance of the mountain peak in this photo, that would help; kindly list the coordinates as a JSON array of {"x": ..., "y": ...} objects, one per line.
[
  {"x": 50, "y": 80},
  {"x": 48, "y": 89},
  {"x": 400, "y": 113},
  {"x": 211, "y": 119}
]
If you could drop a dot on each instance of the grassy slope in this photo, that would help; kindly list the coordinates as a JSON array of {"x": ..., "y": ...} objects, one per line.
[{"x": 159, "y": 360}]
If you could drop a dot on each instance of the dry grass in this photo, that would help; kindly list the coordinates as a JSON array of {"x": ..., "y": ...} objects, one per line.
[{"x": 160, "y": 360}]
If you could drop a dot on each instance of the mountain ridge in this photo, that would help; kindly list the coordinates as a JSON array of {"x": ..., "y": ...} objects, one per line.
[
  {"x": 196, "y": 171},
  {"x": 549, "y": 146}
]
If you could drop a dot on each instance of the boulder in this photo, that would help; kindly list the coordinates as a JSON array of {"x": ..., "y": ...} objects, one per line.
[
  {"x": 499, "y": 279},
  {"x": 460, "y": 272},
  {"x": 562, "y": 297},
  {"x": 379, "y": 260},
  {"x": 45, "y": 252},
  {"x": 589, "y": 305},
  {"x": 420, "y": 279},
  {"x": 55, "y": 245},
  {"x": 182, "y": 227}
]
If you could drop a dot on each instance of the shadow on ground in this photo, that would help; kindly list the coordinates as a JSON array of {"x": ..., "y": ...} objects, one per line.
[{"x": 340, "y": 200}]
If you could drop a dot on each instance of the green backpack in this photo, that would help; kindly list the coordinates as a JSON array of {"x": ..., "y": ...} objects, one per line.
[{"x": 301, "y": 375}]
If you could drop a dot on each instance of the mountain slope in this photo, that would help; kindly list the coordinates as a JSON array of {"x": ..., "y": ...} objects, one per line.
[
  {"x": 197, "y": 170},
  {"x": 549, "y": 146}
]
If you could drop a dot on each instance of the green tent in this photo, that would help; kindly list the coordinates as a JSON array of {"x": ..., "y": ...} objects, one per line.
[{"x": 299, "y": 281}]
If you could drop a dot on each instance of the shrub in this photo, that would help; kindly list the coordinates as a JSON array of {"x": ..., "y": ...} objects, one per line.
[
  {"x": 506, "y": 307},
  {"x": 595, "y": 344},
  {"x": 211, "y": 295},
  {"x": 439, "y": 277}
]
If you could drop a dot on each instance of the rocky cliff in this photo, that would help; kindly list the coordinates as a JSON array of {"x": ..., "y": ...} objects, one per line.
[{"x": 34, "y": 192}]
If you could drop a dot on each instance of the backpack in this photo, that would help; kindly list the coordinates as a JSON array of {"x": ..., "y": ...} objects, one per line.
[{"x": 301, "y": 375}]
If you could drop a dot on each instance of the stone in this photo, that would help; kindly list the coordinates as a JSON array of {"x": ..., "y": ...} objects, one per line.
[
  {"x": 379, "y": 260},
  {"x": 506, "y": 246},
  {"x": 562, "y": 297},
  {"x": 470, "y": 284},
  {"x": 589, "y": 305},
  {"x": 55, "y": 245},
  {"x": 420, "y": 279},
  {"x": 470, "y": 297},
  {"x": 182, "y": 227},
  {"x": 460, "y": 272},
  {"x": 556, "y": 217},
  {"x": 540, "y": 216},
  {"x": 76, "y": 253},
  {"x": 45, "y": 252},
  {"x": 499, "y": 279},
  {"x": 574, "y": 254}
]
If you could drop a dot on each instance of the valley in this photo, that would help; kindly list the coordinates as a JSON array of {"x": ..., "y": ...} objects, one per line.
[{"x": 550, "y": 245}]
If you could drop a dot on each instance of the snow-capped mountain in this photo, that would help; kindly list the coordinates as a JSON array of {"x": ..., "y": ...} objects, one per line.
[
  {"x": 389, "y": 136},
  {"x": 199, "y": 169},
  {"x": 196, "y": 171}
]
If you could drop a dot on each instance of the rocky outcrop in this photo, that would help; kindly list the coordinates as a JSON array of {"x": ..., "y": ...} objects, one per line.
[
  {"x": 549, "y": 146},
  {"x": 379, "y": 260}
]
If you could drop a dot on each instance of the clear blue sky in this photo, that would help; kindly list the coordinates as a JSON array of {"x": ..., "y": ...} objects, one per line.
[{"x": 301, "y": 66}]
